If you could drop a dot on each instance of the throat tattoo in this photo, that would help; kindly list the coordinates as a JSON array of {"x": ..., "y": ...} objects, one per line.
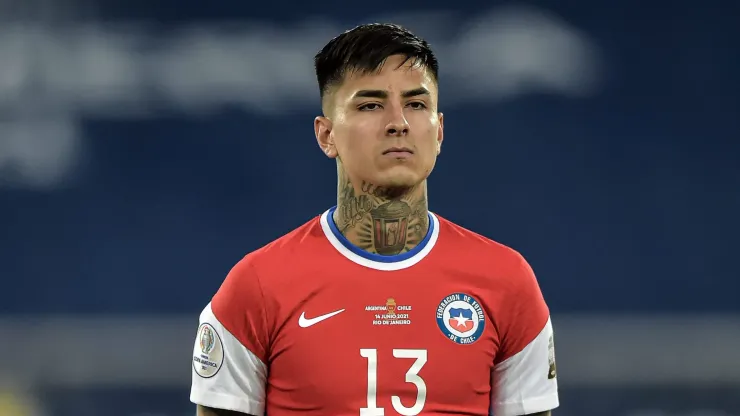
[{"x": 383, "y": 221}]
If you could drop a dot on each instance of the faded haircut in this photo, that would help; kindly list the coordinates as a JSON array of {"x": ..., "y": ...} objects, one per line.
[{"x": 365, "y": 48}]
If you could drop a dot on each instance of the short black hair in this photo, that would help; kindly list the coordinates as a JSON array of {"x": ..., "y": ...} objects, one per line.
[{"x": 365, "y": 48}]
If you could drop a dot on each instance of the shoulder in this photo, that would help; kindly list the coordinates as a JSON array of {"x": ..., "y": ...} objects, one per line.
[
  {"x": 502, "y": 274},
  {"x": 473, "y": 249},
  {"x": 264, "y": 267},
  {"x": 251, "y": 288},
  {"x": 298, "y": 243}
]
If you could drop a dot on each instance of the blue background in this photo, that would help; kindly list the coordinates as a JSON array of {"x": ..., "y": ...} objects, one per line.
[
  {"x": 624, "y": 198},
  {"x": 623, "y": 201}
]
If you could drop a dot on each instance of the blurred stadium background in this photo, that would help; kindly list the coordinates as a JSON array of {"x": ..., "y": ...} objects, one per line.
[{"x": 146, "y": 145}]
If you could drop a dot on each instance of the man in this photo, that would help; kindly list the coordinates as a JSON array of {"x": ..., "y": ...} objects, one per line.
[{"x": 377, "y": 307}]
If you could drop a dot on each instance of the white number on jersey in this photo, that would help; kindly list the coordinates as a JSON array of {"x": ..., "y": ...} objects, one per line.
[{"x": 412, "y": 376}]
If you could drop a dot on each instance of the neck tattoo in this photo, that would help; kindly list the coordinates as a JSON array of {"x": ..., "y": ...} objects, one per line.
[{"x": 380, "y": 220}]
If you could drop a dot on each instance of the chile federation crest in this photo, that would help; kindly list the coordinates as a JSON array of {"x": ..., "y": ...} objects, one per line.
[{"x": 460, "y": 318}]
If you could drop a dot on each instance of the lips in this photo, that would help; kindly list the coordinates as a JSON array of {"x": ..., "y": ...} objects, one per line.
[{"x": 398, "y": 150}]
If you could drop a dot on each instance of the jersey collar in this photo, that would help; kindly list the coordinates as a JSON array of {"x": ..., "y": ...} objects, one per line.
[{"x": 376, "y": 261}]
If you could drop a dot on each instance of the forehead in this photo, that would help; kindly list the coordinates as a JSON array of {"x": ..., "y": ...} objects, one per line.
[{"x": 396, "y": 74}]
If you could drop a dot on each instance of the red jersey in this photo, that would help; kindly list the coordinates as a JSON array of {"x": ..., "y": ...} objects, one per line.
[{"x": 312, "y": 325}]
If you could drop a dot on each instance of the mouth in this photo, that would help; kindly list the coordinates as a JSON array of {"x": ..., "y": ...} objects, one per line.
[{"x": 398, "y": 151}]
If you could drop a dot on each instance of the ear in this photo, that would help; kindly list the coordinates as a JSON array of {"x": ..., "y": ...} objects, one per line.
[
  {"x": 322, "y": 129},
  {"x": 440, "y": 132}
]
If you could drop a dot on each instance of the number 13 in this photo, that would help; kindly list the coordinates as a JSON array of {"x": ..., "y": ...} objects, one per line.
[{"x": 412, "y": 376}]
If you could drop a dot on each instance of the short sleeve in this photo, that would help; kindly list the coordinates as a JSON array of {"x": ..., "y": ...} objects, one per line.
[
  {"x": 229, "y": 357},
  {"x": 524, "y": 376}
]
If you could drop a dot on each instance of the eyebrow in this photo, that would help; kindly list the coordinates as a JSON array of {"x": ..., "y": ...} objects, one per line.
[{"x": 384, "y": 94}]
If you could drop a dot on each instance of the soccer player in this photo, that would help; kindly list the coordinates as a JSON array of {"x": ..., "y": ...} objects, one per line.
[{"x": 377, "y": 306}]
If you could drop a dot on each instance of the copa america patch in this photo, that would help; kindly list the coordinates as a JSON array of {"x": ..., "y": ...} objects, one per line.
[
  {"x": 460, "y": 318},
  {"x": 208, "y": 353}
]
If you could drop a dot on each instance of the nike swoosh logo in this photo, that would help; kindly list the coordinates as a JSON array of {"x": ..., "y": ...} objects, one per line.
[{"x": 303, "y": 322}]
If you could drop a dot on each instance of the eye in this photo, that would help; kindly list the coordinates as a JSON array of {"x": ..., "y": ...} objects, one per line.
[
  {"x": 417, "y": 105},
  {"x": 369, "y": 107}
]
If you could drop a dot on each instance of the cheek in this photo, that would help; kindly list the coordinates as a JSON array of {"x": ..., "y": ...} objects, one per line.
[
  {"x": 429, "y": 148},
  {"x": 359, "y": 137},
  {"x": 431, "y": 135},
  {"x": 429, "y": 124}
]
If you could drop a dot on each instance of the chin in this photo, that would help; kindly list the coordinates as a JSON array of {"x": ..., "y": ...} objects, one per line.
[{"x": 400, "y": 180}]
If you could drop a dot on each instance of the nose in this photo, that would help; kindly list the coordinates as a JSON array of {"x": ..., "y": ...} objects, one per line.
[{"x": 398, "y": 125}]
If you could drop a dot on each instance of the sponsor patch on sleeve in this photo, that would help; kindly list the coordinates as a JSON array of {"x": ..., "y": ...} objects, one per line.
[
  {"x": 208, "y": 353},
  {"x": 551, "y": 370}
]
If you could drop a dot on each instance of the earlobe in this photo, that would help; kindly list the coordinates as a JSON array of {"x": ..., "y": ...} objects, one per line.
[
  {"x": 322, "y": 129},
  {"x": 440, "y": 133}
]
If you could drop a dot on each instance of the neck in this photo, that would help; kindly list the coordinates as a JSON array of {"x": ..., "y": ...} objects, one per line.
[{"x": 380, "y": 220}]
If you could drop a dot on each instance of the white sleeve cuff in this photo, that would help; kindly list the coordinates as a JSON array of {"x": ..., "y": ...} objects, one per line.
[
  {"x": 227, "y": 402},
  {"x": 526, "y": 382},
  {"x": 528, "y": 406},
  {"x": 226, "y": 375}
]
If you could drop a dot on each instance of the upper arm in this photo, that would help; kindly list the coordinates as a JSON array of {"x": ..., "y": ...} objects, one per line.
[
  {"x": 229, "y": 369},
  {"x": 524, "y": 376},
  {"x": 208, "y": 411}
]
